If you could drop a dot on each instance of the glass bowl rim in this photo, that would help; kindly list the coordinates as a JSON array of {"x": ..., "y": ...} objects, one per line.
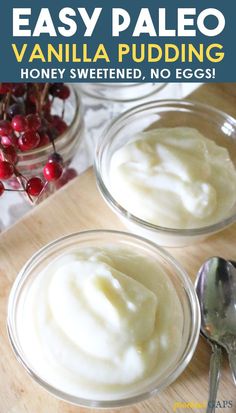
[
  {"x": 105, "y": 192},
  {"x": 179, "y": 366},
  {"x": 157, "y": 88}
]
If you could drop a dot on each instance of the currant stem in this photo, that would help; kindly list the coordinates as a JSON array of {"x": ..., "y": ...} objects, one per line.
[
  {"x": 38, "y": 108},
  {"x": 8, "y": 98},
  {"x": 19, "y": 174},
  {"x": 44, "y": 94},
  {"x": 63, "y": 110},
  {"x": 14, "y": 190},
  {"x": 53, "y": 145}
]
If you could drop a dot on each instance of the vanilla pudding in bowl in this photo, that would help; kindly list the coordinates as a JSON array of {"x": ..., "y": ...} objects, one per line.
[
  {"x": 167, "y": 168},
  {"x": 103, "y": 318}
]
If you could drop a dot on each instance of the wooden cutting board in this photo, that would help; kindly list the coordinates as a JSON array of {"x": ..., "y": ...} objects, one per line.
[{"x": 79, "y": 207}]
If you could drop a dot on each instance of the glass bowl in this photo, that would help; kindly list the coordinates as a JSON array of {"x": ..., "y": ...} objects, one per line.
[
  {"x": 212, "y": 123},
  {"x": 101, "y": 239},
  {"x": 32, "y": 162}
]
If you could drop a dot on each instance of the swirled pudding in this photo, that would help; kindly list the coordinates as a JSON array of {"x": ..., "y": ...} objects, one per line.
[
  {"x": 100, "y": 323},
  {"x": 174, "y": 178}
]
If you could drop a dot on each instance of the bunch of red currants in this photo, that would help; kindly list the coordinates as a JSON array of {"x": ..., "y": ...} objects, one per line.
[{"x": 27, "y": 123}]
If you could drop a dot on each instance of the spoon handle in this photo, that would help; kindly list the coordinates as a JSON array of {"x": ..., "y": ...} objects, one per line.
[
  {"x": 214, "y": 376},
  {"x": 232, "y": 362}
]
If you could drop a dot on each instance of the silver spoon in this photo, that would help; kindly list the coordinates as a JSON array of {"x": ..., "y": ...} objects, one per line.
[{"x": 216, "y": 290}]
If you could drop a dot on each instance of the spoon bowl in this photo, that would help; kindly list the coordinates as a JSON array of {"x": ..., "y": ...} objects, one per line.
[{"x": 216, "y": 290}]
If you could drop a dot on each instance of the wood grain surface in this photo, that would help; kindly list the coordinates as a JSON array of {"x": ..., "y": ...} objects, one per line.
[{"x": 79, "y": 207}]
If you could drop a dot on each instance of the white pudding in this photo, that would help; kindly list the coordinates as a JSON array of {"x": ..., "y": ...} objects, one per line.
[
  {"x": 100, "y": 323},
  {"x": 174, "y": 178}
]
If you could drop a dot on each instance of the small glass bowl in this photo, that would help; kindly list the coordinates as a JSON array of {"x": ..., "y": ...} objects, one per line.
[
  {"x": 212, "y": 123},
  {"x": 101, "y": 239},
  {"x": 31, "y": 162}
]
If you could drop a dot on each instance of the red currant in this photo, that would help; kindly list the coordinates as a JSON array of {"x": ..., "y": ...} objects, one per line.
[
  {"x": 70, "y": 174},
  {"x": 54, "y": 87},
  {"x": 63, "y": 93},
  {"x": 61, "y": 127},
  {"x": 5, "y": 88},
  {"x": 67, "y": 176},
  {"x": 15, "y": 109},
  {"x": 44, "y": 139},
  {"x": 19, "y": 123},
  {"x": 55, "y": 157},
  {"x": 6, "y": 170},
  {"x": 52, "y": 171},
  {"x": 34, "y": 186},
  {"x": 34, "y": 122},
  {"x": 55, "y": 120},
  {"x": 59, "y": 124},
  {"x": 29, "y": 140},
  {"x": 9, "y": 140},
  {"x": 2, "y": 188},
  {"x": 5, "y": 128},
  {"x": 47, "y": 107}
]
